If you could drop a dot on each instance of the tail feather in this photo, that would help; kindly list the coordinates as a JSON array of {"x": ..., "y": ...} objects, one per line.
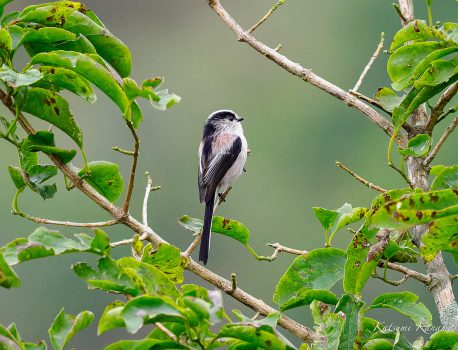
[{"x": 206, "y": 230}]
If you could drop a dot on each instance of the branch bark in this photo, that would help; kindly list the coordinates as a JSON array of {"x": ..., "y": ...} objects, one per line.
[
  {"x": 306, "y": 74},
  {"x": 440, "y": 286}
]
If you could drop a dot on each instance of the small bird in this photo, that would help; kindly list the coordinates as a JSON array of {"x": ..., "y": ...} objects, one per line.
[{"x": 222, "y": 157}]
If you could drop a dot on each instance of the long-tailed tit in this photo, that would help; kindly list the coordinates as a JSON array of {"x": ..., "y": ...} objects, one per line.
[{"x": 222, "y": 156}]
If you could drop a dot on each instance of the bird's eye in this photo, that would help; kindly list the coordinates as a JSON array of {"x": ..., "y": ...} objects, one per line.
[{"x": 231, "y": 118}]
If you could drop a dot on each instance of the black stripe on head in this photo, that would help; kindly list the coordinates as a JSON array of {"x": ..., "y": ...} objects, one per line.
[{"x": 224, "y": 114}]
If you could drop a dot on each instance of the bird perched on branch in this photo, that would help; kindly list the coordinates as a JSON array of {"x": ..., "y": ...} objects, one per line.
[{"x": 222, "y": 157}]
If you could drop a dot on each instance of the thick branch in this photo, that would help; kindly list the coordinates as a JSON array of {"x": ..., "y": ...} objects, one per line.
[
  {"x": 253, "y": 303},
  {"x": 406, "y": 11},
  {"x": 305, "y": 74}
]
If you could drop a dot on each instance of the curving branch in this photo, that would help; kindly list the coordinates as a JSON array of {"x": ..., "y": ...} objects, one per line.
[
  {"x": 438, "y": 109},
  {"x": 306, "y": 74}
]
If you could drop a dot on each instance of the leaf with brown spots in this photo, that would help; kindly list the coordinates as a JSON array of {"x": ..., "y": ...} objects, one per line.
[
  {"x": 441, "y": 235},
  {"x": 105, "y": 178}
]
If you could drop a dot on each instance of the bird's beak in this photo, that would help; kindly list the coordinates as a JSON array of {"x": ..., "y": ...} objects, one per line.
[{"x": 239, "y": 119}]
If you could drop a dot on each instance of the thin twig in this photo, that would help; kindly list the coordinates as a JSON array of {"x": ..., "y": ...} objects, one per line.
[
  {"x": 122, "y": 242},
  {"x": 426, "y": 279},
  {"x": 369, "y": 100},
  {"x": 438, "y": 109},
  {"x": 234, "y": 282},
  {"x": 266, "y": 16},
  {"x": 195, "y": 243},
  {"x": 306, "y": 74},
  {"x": 255, "y": 316},
  {"x": 441, "y": 141},
  {"x": 123, "y": 151},
  {"x": 133, "y": 169},
  {"x": 149, "y": 185},
  {"x": 166, "y": 331},
  {"x": 454, "y": 277},
  {"x": 282, "y": 249},
  {"x": 360, "y": 179},
  {"x": 445, "y": 115},
  {"x": 400, "y": 172},
  {"x": 393, "y": 283},
  {"x": 371, "y": 61}
]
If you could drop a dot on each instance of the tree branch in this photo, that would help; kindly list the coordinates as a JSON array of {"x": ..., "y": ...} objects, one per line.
[
  {"x": 426, "y": 279},
  {"x": 306, "y": 74},
  {"x": 438, "y": 109},
  {"x": 282, "y": 249},
  {"x": 133, "y": 169},
  {"x": 369, "y": 64},
  {"x": 360, "y": 179},
  {"x": 393, "y": 283},
  {"x": 266, "y": 16},
  {"x": 441, "y": 141},
  {"x": 405, "y": 11}
]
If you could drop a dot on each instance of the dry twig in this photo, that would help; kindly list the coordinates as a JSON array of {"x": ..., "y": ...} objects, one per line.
[
  {"x": 360, "y": 179},
  {"x": 441, "y": 141},
  {"x": 266, "y": 16}
]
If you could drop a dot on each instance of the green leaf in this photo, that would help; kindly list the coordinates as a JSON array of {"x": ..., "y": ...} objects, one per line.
[
  {"x": 319, "y": 269},
  {"x": 43, "y": 242},
  {"x": 166, "y": 100},
  {"x": 111, "y": 317},
  {"x": 166, "y": 258},
  {"x": 133, "y": 90},
  {"x": 86, "y": 66},
  {"x": 15, "y": 79},
  {"x": 348, "y": 215},
  {"x": 416, "y": 208},
  {"x": 44, "y": 141},
  {"x": 154, "y": 281},
  {"x": 446, "y": 177},
  {"x": 418, "y": 146},
  {"x": 308, "y": 296},
  {"x": 378, "y": 344},
  {"x": 17, "y": 177},
  {"x": 105, "y": 178},
  {"x": 406, "y": 304},
  {"x": 53, "y": 108},
  {"x": 3, "y": 3},
  {"x": 221, "y": 225},
  {"x": 110, "y": 277},
  {"x": 442, "y": 340},
  {"x": 325, "y": 216},
  {"x": 329, "y": 325},
  {"x": 43, "y": 36},
  {"x": 147, "y": 309},
  {"x": 438, "y": 72},
  {"x": 66, "y": 326},
  {"x": 416, "y": 30},
  {"x": 5, "y": 41},
  {"x": 62, "y": 78},
  {"x": 72, "y": 17},
  {"x": 351, "y": 308},
  {"x": 429, "y": 59},
  {"x": 404, "y": 60},
  {"x": 388, "y": 98},
  {"x": 358, "y": 266},
  {"x": 442, "y": 234},
  {"x": 8, "y": 278},
  {"x": 145, "y": 344}
]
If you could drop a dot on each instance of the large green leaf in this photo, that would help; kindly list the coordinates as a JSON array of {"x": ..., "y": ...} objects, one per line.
[
  {"x": 406, "y": 304},
  {"x": 15, "y": 79},
  {"x": 404, "y": 60},
  {"x": 62, "y": 78},
  {"x": 72, "y": 17},
  {"x": 43, "y": 242},
  {"x": 358, "y": 266},
  {"x": 86, "y": 66},
  {"x": 438, "y": 72},
  {"x": 329, "y": 325},
  {"x": 325, "y": 216},
  {"x": 308, "y": 296},
  {"x": 154, "y": 281},
  {"x": 105, "y": 178},
  {"x": 147, "y": 309},
  {"x": 442, "y": 340},
  {"x": 53, "y": 108},
  {"x": 110, "y": 277},
  {"x": 166, "y": 258},
  {"x": 388, "y": 98},
  {"x": 442, "y": 234},
  {"x": 319, "y": 269},
  {"x": 145, "y": 344},
  {"x": 66, "y": 326},
  {"x": 417, "y": 30},
  {"x": 446, "y": 177},
  {"x": 416, "y": 208},
  {"x": 44, "y": 141},
  {"x": 351, "y": 308}
]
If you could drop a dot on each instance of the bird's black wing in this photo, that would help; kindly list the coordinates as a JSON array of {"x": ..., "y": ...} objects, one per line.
[{"x": 213, "y": 170}]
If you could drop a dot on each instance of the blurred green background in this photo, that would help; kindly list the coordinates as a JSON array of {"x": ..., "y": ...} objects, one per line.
[{"x": 295, "y": 133}]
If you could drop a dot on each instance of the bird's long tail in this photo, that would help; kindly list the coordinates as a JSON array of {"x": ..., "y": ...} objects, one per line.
[{"x": 206, "y": 230}]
